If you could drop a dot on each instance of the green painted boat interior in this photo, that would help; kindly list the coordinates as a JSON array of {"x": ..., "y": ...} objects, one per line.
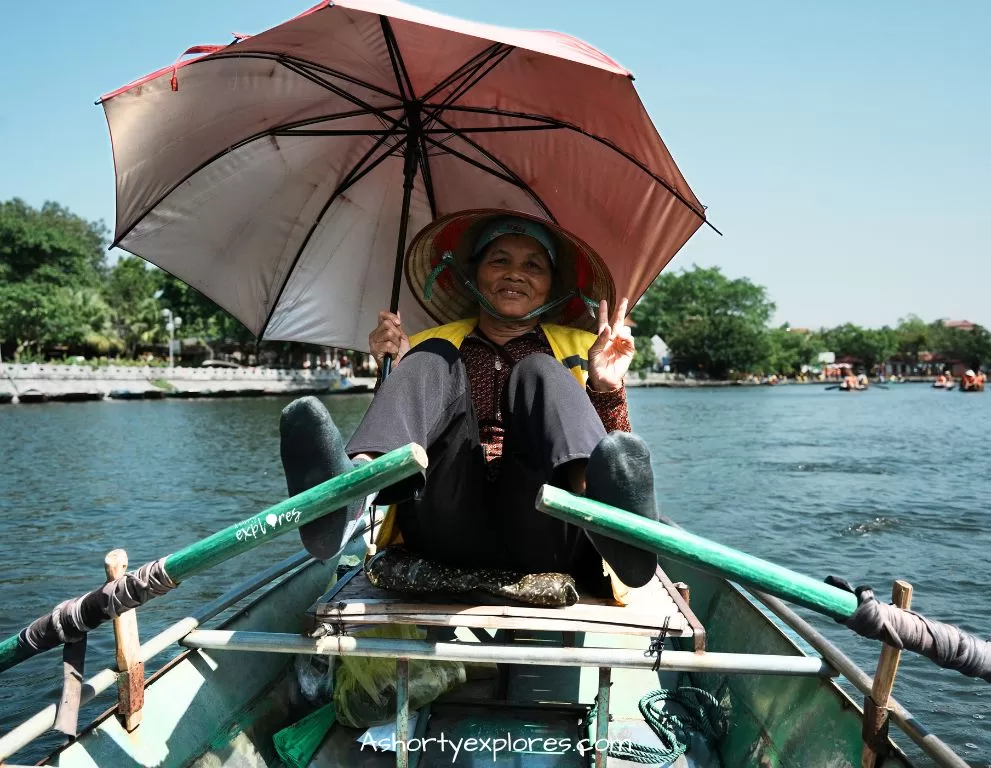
[
  {"x": 774, "y": 721},
  {"x": 220, "y": 709}
]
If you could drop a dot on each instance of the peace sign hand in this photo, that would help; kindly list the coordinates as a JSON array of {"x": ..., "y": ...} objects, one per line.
[{"x": 610, "y": 355}]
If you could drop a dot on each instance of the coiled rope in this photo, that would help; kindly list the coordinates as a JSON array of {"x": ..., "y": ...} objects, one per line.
[{"x": 700, "y": 712}]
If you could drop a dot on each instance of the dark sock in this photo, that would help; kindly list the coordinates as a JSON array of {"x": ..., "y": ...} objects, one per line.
[
  {"x": 619, "y": 474},
  {"x": 312, "y": 453}
]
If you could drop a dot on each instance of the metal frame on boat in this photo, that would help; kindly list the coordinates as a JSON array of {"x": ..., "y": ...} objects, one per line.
[{"x": 186, "y": 632}]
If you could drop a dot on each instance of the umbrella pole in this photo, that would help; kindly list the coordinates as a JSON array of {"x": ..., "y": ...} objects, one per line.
[{"x": 409, "y": 176}]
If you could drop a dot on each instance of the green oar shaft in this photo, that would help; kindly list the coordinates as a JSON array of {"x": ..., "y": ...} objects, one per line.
[
  {"x": 273, "y": 522},
  {"x": 698, "y": 552},
  {"x": 290, "y": 514}
]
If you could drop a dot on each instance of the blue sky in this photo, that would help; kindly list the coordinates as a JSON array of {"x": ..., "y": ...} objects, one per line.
[{"x": 843, "y": 148}]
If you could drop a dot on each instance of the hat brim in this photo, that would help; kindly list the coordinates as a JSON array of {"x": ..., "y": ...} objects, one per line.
[{"x": 578, "y": 268}]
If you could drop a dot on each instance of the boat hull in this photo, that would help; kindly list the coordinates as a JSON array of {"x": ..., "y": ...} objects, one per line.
[
  {"x": 220, "y": 709},
  {"x": 211, "y": 707}
]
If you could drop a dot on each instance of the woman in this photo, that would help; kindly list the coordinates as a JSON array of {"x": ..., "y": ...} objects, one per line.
[{"x": 502, "y": 403}]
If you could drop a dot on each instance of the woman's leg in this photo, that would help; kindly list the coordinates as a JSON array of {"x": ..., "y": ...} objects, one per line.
[
  {"x": 555, "y": 436},
  {"x": 427, "y": 400},
  {"x": 551, "y": 430}
]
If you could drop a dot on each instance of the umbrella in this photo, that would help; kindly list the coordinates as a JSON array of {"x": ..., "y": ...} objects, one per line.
[{"x": 283, "y": 175}]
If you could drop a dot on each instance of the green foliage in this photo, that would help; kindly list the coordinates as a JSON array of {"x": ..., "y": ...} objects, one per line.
[
  {"x": 49, "y": 246},
  {"x": 57, "y": 292},
  {"x": 913, "y": 336},
  {"x": 789, "y": 350},
  {"x": 871, "y": 346},
  {"x": 970, "y": 347},
  {"x": 711, "y": 323},
  {"x": 644, "y": 358},
  {"x": 58, "y": 295}
]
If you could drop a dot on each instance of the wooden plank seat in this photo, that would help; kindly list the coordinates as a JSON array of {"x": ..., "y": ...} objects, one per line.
[{"x": 354, "y": 602}]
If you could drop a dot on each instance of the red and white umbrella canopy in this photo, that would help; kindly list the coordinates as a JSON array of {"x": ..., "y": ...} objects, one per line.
[{"x": 268, "y": 174}]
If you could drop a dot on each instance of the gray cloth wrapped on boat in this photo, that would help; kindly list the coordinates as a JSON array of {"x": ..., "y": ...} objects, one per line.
[
  {"x": 944, "y": 644},
  {"x": 70, "y": 620},
  {"x": 398, "y": 570}
]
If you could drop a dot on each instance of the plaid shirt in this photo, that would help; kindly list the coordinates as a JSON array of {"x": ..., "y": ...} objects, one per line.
[{"x": 488, "y": 367}]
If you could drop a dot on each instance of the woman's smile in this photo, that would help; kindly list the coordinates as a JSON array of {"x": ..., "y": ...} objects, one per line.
[{"x": 515, "y": 275}]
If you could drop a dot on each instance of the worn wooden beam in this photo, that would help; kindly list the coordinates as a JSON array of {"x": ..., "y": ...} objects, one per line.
[
  {"x": 876, "y": 704},
  {"x": 130, "y": 668}
]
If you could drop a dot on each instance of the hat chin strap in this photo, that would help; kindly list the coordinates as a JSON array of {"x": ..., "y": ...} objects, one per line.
[{"x": 448, "y": 261}]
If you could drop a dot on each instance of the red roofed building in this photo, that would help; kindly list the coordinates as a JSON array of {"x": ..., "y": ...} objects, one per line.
[{"x": 962, "y": 325}]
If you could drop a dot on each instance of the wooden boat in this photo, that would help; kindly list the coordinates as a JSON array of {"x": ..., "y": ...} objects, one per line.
[
  {"x": 576, "y": 673},
  {"x": 972, "y": 388}
]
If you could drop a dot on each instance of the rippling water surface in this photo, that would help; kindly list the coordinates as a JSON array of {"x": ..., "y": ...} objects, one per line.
[{"x": 873, "y": 486}]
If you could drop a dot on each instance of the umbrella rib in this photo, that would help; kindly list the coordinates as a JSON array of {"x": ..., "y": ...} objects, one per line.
[
  {"x": 428, "y": 132},
  {"x": 353, "y": 177},
  {"x": 335, "y": 89},
  {"x": 285, "y": 129},
  {"x": 508, "y": 176},
  {"x": 412, "y": 110},
  {"x": 304, "y": 62},
  {"x": 396, "y": 57},
  {"x": 598, "y": 139},
  {"x": 473, "y": 79},
  {"x": 469, "y": 66},
  {"x": 501, "y": 165}
]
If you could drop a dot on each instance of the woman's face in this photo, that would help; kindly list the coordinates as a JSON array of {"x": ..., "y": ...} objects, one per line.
[{"x": 515, "y": 275}]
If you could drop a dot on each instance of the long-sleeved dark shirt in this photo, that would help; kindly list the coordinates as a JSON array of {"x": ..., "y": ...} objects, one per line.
[{"x": 488, "y": 367}]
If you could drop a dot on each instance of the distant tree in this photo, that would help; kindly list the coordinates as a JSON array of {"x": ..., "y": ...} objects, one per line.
[
  {"x": 52, "y": 264},
  {"x": 131, "y": 292},
  {"x": 970, "y": 347},
  {"x": 644, "y": 358},
  {"x": 871, "y": 346},
  {"x": 913, "y": 336},
  {"x": 710, "y": 322},
  {"x": 789, "y": 350},
  {"x": 50, "y": 245}
]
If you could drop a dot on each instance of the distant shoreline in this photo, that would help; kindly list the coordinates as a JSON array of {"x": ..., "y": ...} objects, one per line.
[
  {"x": 663, "y": 380},
  {"x": 38, "y": 383}
]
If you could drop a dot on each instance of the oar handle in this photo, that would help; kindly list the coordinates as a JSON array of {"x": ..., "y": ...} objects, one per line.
[{"x": 697, "y": 552}]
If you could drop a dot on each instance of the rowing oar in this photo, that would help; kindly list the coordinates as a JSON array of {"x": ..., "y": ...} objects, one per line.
[
  {"x": 858, "y": 609},
  {"x": 70, "y": 620}
]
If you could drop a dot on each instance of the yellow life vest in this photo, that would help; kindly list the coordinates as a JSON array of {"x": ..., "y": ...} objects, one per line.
[{"x": 569, "y": 345}]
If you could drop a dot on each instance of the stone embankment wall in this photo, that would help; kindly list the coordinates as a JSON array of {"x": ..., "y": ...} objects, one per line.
[{"x": 76, "y": 382}]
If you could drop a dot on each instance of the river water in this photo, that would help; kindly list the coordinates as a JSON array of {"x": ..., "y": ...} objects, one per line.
[{"x": 873, "y": 486}]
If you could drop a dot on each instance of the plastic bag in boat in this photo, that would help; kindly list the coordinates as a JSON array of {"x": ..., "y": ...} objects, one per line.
[{"x": 365, "y": 689}]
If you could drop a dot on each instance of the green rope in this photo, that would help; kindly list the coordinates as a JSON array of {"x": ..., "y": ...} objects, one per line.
[
  {"x": 448, "y": 261},
  {"x": 702, "y": 713}
]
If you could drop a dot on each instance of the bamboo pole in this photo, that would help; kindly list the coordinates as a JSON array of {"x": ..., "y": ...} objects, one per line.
[
  {"x": 876, "y": 703},
  {"x": 698, "y": 552},
  {"x": 130, "y": 668},
  {"x": 276, "y": 521}
]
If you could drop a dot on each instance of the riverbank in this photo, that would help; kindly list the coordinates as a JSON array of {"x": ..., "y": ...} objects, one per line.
[
  {"x": 37, "y": 383},
  {"x": 679, "y": 382}
]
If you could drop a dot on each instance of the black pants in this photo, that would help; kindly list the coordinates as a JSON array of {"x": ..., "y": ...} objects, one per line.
[{"x": 458, "y": 515}]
